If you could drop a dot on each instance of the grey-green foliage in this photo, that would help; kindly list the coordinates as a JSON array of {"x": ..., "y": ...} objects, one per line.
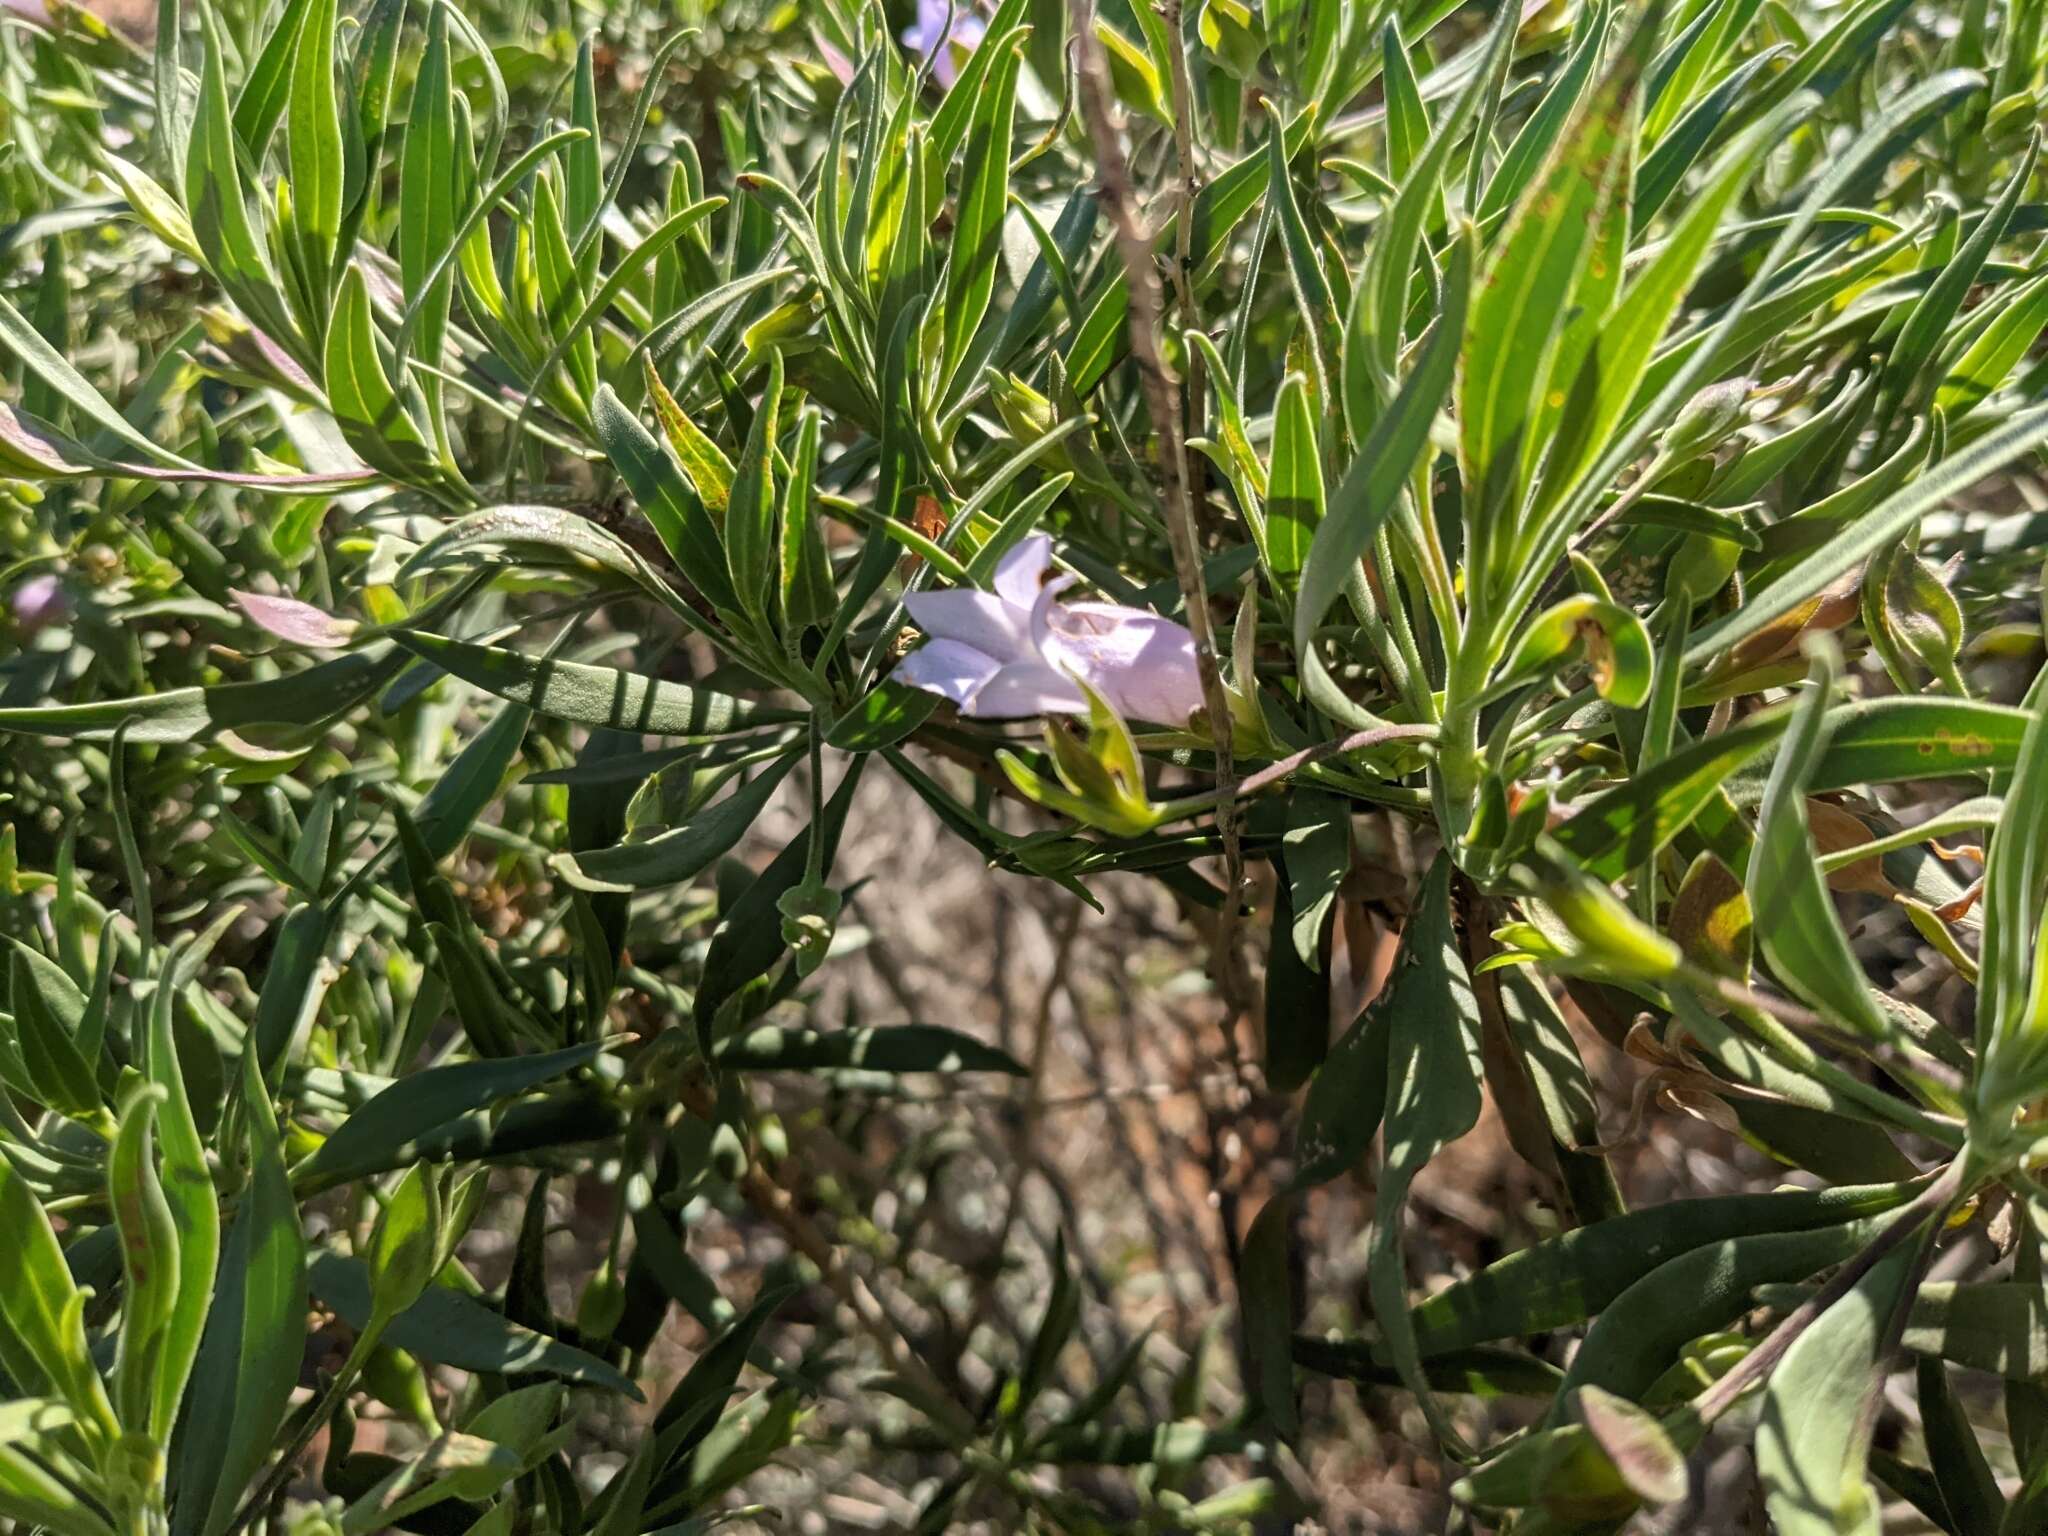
[{"x": 523, "y": 459}]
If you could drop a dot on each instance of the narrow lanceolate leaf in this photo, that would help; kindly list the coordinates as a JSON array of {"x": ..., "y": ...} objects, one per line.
[
  {"x": 1382, "y": 303},
  {"x": 426, "y": 186},
  {"x": 1304, "y": 262},
  {"x": 888, "y": 1048},
  {"x": 471, "y": 782},
  {"x": 706, "y": 464},
  {"x": 587, "y": 695},
  {"x": 1795, "y": 916},
  {"x": 149, "y": 1253},
  {"x": 255, "y": 1336},
  {"x": 976, "y": 249},
  {"x": 194, "y": 1205},
  {"x": 315, "y": 144},
  {"x": 1614, "y": 365},
  {"x": 373, "y": 419},
  {"x": 1433, "y": 1098},
  {"x": 427, "y": 1101},
  {"x": 672, "y": 508},
  {"x": 1378, "y": 476},
  {"x": 1937, "y": 308},
  {"x": 1813, "y": 1439},
  {"x": 807, "y": 593},
  {"x": 1519, "y": 307},
  {"x": 1294, "y": 498},
  {"x": 451, "y": 1329},
  {"x": 2010, "y": 1031},
  {"x": 750, "y": 544},
  {"x": 683, "y": 852},
  {"x": 1875, "y": 530},
  {"x": 216, "y": 201},
  {"x": 42, "y": 1327}
]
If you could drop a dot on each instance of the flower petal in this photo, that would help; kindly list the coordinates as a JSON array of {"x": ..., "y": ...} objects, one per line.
[
  {"x": 1021, "y": 572},
  {"x": 1142, "y": 663},
  {"x": 951, "y": 670},
  {"x": 973, "y": 618},
  {"x": 1027, "y": 688}
]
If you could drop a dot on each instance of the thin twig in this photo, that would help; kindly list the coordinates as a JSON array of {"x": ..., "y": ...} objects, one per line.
[
  {"x": 1023, "y": 1145},
  {"x": 775, "y": 1203},
  {"x": 1162, "y": 403},
  {"x": 1274, "y": 772}
]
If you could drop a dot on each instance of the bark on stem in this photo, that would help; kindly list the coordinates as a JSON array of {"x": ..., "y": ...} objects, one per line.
[{"x": 1162, "y": 402}]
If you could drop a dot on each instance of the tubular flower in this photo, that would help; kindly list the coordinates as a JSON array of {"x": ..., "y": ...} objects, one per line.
[{"x": 1019, "y": 651}]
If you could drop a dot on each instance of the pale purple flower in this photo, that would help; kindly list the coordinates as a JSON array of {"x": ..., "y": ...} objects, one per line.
[
  {"x": 929, "y": 39},
  {"x": 38, "y": 603},
  {"x": 1018, "y": 650}
]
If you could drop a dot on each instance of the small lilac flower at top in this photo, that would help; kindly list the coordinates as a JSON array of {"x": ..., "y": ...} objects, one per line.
[
  {"x": 1017, "y": 651},
  {"x": 929, "y": 37}
]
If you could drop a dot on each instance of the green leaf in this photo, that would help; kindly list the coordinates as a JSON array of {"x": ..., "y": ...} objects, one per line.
[
  {"x": 881, "y": 1048},
  {"x": 1295, "y": 501},
  {"x": 748, "y": 941},
  {"x": 149, "y": 1252},
  {"x": 1315, "y": 857},
  {"x": 427, "y": 206},
  {"x": 1568, "y": 1278},
  {"x": 424, "y": 1103},
  {"x": 193, "y": 1204},
  {"x": 266, "y": 89},
  {"x": 1518, "y": 309},
  {"x": 1985, "y": 364},
  {"x": 1997, "y": 1326},
  {"x": 975, "y": 251},
  {"x": 372, "y": 418},
  {"x": 1525, "y": 154},
  {"x": 665, "y": 498},
  {"x": 1433, "y": 1098},
  {"x": 1795, "y": 916},
  {"x": 216, "y": 202},
  {"x": 1811, "y": 1443},
  {"x": 451, "y": 1329},
  {"x": 1616, "y": 644},
  {"x": 1639, "y": 1333},
  {"x": 709, "y": 470},
  {"x": 750, "y": 543},
  {"x": 1378, "y": 476},
  {"x": 807, "y": 594},
  {"x": 255, "y": 1336},
  {"x": 1968, "y": 1486},
  {"x": 1380, "y": 305},
  {"x": 1304, "y": 263},
  {"x": 587, "y": 695},
  {"x": 1485, "y": 1370},
  {"x": 42, "y": 1317},
  {"x": 315, "y": 144},
  {"x": 681, "y": 853},
  {"x": 47, "y": 1012}
]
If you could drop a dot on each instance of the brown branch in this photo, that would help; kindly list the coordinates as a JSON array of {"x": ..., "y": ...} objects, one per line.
[{"x": 1162, "y": 402}]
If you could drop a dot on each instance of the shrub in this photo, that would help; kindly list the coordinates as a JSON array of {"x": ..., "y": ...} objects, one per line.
[{"x": 461, "y": 477}]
